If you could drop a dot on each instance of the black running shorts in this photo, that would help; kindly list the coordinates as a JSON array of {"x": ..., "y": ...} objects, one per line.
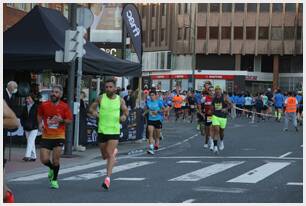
[
  {"x": 49, "y": 144},
  {"x": 102, "y": 138},
  {"x": 156, "y": 124}
]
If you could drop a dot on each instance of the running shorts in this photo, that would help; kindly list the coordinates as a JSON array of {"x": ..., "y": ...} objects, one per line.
[
  {"x": 208, "y": 120},
  {"x": 49, "y": 144},
  {"x": 156, "y": 124},
  {"x": 265, "y": 107},
  {"x": 177, "y": 110},
  {"x": 300, "y": 109},
  {"x": 102, "y": 138},
  {"x": 219, "y": 121}
]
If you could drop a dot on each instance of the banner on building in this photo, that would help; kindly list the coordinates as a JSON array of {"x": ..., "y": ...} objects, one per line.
[{"x": 132, "y": 22}]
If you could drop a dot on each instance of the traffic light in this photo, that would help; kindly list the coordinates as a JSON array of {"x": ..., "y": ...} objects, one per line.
[{"x": 74, "y": 44}]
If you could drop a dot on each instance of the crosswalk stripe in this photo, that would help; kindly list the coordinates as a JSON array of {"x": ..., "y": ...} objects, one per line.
[
  {"x": 131, "y": 178},
  {"x": 295, "y": 183},
  {"x": 187, "y": 161},
  {"x": 100, "y": 173},
  {"x": 260, "y": 173},
  {"x": 62, "y": 171},
  {"x": 207, "y": 171}
]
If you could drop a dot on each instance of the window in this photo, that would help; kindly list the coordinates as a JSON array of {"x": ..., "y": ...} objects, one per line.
[
  {"x": 238, "y": 32},
  {"x": 227, "y": 7},
  {"x": 186, "y": 32},
  {"x": 179, "y": 8},
  {"x": 185, "y": 8},
  {"x": 10, "y": 5},
  {"x": 163, "y": 9},
  {"x": 288, "y": 32},
  {"x": 162, "y": 35},
  {"x": 299, "y": 33},
  {"x": 264, "y": 7},
  {"x": 276, "y": 33},
  {"x": 202, "y": 7},
  {"x": 214, "y": 7},
  {"x": 290, "y": 7},
  {"x": 263, "y": 33},
  {"x": 252, "y": 7},
  {"x": 226, "y": 33},
  {"x": 153, "y": 10},
  {"x": 250, "y": 32},
  {"x": 277, "y": 7},
  {"x": 213, "y": 32},
  {"x": 143, "y": 11},
  {"x": 201, "y": 34},
  {"x": 152, "y": 35},
  {"x": 239, "y": 7},
  {"x": 45, "y": 5},
  {"x": 300, "y": 8},
  {"x": 65, "y": 11},
  {"x": 179, "y": 33}
]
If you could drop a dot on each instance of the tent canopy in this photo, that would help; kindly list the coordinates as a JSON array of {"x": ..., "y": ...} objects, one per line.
[{"x": 30, "y": 45}]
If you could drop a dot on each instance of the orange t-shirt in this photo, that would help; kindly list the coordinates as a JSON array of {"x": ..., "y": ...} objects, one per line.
[
  {"x": 52, "y": 128},
  {"x": 177, "y": 101}
]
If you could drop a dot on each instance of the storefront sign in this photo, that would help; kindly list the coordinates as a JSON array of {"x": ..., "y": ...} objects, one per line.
[
  {"x": 179, "y": 76},
  {"x": 160, "y": 76},
  {"x": 251, "y": 78},
  {"x": 213, "y": 76}
]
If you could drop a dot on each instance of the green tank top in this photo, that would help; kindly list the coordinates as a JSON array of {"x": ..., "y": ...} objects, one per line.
[{"x": 109, "y": 115}]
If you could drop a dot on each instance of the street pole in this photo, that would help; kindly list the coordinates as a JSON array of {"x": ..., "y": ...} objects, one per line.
[
  {"x": 123, "y": 36},
  {"x": 194, "y": 46},
  {"x": 70, "y": 90}
]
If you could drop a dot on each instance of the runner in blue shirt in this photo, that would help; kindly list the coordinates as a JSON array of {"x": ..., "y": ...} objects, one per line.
[
  {"x": 279, "y": 100},
  {"x": 299, "y": 98}
]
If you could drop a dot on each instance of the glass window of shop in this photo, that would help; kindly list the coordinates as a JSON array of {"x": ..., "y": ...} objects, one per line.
[
  {"x": 107, "y": 22},
  {"x": 250, "y": 32},
  {"x": 226, "y": 32},
  {"x": 276, "y": 33},
  {"x": 162, "y": 84},
  {"x": 277, "y": 7},
  {"x": 181, "y": 83},
  {"x": 214, "y": 7},
  {"x": 290, "y": 7},
  {"x": 289, "y": 32},
  {"x": 238, "y": 33},
  {"x": 213, "y": 32},
  {"x": 202, "y": 8},
  {"x": 264, "y": 7},
  {"x": 201, "y": 32},
  {"x": 263, "y": 33},
  {"x": 247, "y": 63},
  {"x": 239, "y": 7},
  {"x": 291, "y": 83},
  {"x": 251, "y": 7},
  {"x": 227, "y": 7}
]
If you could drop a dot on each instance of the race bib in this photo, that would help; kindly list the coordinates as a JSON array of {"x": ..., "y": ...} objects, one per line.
[
  {"x": 192, "y": 106},
  {"x": 218, "y": 106}
]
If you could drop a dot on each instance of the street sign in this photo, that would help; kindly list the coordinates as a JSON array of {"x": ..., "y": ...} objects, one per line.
[{"x": 84, "y": 17}]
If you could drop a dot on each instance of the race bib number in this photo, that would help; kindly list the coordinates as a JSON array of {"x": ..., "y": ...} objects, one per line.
[
  {"x": 218, "y": 106},
  {"x": 192, "y": 106}
]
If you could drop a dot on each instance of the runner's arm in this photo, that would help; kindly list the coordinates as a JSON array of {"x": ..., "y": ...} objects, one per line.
[
  {"x": 93, "y": 107},
  {"x": 9, "y": 118},
  {"x": 124, "y": 109}
]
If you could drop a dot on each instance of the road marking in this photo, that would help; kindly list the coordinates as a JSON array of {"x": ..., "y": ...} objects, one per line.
[
  {"x": 206, "y": 171},
  {"x": 260, "y": 173},
  {"x": 179, "y": 143},
  {"x": 130, "y": 178},
  {"x": 220, "y": 189},
  {"x": 218, "y": 157},
  {"x": 301, "y": 145},
  {"x": 62, "y": 171},
  {"x": 100, "y": 173},
  {"x": 295, "y": 183},
  {"x": 284, "y": 155},
  {"x": 189, "y": 201},
  {"x": 182, "y": 161}
]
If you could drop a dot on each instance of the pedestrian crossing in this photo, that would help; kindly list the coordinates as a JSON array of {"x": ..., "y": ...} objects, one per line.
[{"x": 250, "y": 175}]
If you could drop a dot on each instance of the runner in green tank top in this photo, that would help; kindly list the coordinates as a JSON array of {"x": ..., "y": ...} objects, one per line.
[{"x": 110, "y": 105}]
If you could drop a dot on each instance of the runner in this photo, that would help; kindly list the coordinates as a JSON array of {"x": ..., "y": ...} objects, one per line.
[
  {"x": 191, "y": 103},
  {"x": 299, "y": 98},
  {"x": 221, "y": 103},
  {"x": 279, "y": 100},
  {"x": 154, "y": 108},
  {"x": 248, "y": 104},
  {"x": 110, "y": 105},
  {"x": 177, "y": 104},
  {"x": 53, "y": 115},
  {"x": 265, "y": 107},
  {"x": 240, "y": 104},
  {"x": 290, "y": 111},
  {"x": 184, "y": 105}
]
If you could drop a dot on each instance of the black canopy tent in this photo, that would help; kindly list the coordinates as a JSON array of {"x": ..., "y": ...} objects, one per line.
[{"x": 30, "y": 45}]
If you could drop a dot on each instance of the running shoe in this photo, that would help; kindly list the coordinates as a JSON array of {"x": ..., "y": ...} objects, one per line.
[
  {"x": 156, "y": 147},
  {"x": 210, "y": 141},
  {"x": 150, "y": 151},
  {"x": 198, "y": 126},
  {"x": 50, "y": 174},
  {"x": 216, "y": 149},
  {"x": 205, "y": 145},
  {"x": 9, "y": 197},
  {"x": 221, "y": 145},
  {"x": 54, "y": 184},
  {"x": 296, "y": 129},
  {"x": 106, "y": 183},
  {"x": 285, "y": 130},
  {"x": 211, "y": 146}
]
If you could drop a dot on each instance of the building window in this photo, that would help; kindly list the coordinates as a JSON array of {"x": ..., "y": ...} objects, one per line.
[
  {"x": 152, "y": 35},
  {"x": 179, "y": 33},
  {"x": 276, "y": 33},
  {"x": 186, "y": 32},
  {"x": 277, "y": 7},
  {"x": 143, "y": 11},
  {"x": 162, "y": 35},
  {"x": 250, "y": 32},
  {"x": 10, "y": 5},
  {"x": 227, "y": 7},
  {"x": 179, "y": 8},
  {"x": 214, "y": 7},
  {"x": 65, "y": 10},
  {"x": 185, "y": 8},
  {"x": 299, "y": 33},
  {"x": 226, "y": 33},
  {"x": 288, "y": 32},
  {"x": 264, "y": 7},
  {"x": 263, "y": 33},
  {"x": 213, "y": 32},
  {"x": 251, "y": 7},
  {"x": 202, "y": 7},
  {"x": 201, "y": 33},
  {"x": 238, "y": 32},
  {"x": 153, "y": 10},
  {"x": 163, "y": 9},
  {"x": 290, "y": 7},
  {"x": 300, "y": 8},
  {"x": 239, "y": 7}
]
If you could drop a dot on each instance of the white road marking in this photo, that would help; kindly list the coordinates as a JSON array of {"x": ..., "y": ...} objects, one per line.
[
  {"x": 284, "y": 155},
  {"x": 217, "y": 157},
  {"x": 130, "y": 178},
  {"x": 260, "y": 173},
  {"x": 182, "y": 161},
  {"x": 301, "y": 145},
  {"x": 206, "y": 171},
  {"x": 62, "y": 171},
  {"x": 100, "y": 173},
  {"x": 295, "y": 183},
  {"x": 178, "y": 143},
  {"x": 189, "y": 201},
  {"x": 220, "y": 189}
]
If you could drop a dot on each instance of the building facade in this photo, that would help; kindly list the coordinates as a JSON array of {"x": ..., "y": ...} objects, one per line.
[{"x": 239, "y": 46}]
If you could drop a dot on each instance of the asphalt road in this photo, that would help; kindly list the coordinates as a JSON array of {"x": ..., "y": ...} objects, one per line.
[{"x": 260, "y": 163}]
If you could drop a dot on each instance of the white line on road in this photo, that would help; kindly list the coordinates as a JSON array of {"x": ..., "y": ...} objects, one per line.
[
  {"x": 179, "y": 143},
  {"x": 220, "y": 189},
  {"x": 284, "y": 155},
  {"x": 301, "y": 145},
  {"x": 182, "y": 161},
  {"x": 189, "y": 201},
  {"x": 206, "y": 171},
  {"x": 130, "y": 178},
  {"x": 100, "y": 173},
  {"x": 260, "y": 173},
  {"x": 295, "y": 183},
  {"x": 62, "y": 171},
  {"x": 219, "y": 157}
]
